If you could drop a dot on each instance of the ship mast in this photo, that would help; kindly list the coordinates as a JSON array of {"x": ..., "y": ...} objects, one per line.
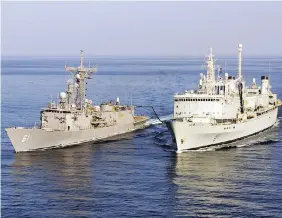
[
  {"x": 239, "y": 75},
  {"x": 210, "y": 67},
  {"x": 210, "y": 79},
  {"x": 80, "y": 75}
]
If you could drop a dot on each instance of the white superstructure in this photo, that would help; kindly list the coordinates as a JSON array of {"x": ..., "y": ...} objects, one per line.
[{"x": 222, "y": 109}]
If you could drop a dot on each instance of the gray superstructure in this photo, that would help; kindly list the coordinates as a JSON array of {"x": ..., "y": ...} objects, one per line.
[
  {"x": 222, "y": 109},
  {"x": 74, "y": 120}
]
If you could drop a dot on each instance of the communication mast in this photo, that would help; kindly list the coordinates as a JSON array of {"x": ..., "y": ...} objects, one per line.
[
  {"x": 239, "y": 76},
  {"x": 80, "y": 75},
  {"x": 210, "y": 67}
]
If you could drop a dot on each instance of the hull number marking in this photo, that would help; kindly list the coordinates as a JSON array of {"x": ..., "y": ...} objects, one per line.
[{"x": 25, "y": 138}]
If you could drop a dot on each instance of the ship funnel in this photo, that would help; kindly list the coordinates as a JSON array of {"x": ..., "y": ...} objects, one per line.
[{"x": 264, "y": 85}]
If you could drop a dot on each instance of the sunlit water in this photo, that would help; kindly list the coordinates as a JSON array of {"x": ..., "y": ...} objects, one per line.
[{"x": 138, "y": 174}]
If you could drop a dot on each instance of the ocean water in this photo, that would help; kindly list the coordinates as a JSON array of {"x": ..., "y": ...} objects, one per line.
[{"x": 137, "y": 174}]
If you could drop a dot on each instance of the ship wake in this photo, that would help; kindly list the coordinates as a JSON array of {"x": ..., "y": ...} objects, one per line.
[{"x": 155, "y": 121}]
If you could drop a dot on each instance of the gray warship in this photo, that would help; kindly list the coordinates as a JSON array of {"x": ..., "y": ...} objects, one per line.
[{"x": 74, "y": 120}]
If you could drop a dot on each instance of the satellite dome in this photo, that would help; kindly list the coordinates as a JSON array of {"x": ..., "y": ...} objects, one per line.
[{"x": 63, "y": 95}]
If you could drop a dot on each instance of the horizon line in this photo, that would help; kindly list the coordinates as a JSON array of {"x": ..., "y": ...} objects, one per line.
[{"x": 139, "y": 56}]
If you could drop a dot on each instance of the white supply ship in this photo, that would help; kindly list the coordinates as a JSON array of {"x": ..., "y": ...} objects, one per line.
[
  {"x": 222, "y": 110},
  {"x": 74, "y": 120}
]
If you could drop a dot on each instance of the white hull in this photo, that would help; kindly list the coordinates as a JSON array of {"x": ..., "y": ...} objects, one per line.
[
  {"x": 35, "y": 139},
  {"x": 190, "y": 135}
]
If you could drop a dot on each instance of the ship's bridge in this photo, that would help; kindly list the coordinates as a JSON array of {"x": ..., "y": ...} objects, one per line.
[{"x": 221, "y": 86}]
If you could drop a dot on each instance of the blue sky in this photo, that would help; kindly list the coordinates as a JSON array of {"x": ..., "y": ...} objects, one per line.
[{"x": 141, "y": 28}]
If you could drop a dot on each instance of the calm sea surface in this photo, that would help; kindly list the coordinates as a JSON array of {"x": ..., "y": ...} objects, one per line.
[{"x": 137, "y": 174}]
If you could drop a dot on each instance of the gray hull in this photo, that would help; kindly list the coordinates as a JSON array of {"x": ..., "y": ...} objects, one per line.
[{"x": 38, "y": 139}]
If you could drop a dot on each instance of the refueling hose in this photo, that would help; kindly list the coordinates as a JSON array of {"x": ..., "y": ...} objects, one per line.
[{"x": 153, "y": 110}]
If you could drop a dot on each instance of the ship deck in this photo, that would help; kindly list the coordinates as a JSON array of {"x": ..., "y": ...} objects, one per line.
[{"x": 140, "y": 119}]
